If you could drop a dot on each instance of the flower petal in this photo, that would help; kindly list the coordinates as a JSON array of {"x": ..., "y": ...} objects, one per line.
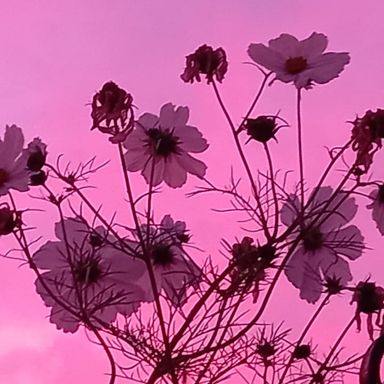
[
  {"x": 327, "y": 66},
  {"x": 313, "y": 45},
  {"x": 192, "y": 165},
  {"x": 167, "y": 116},
  {"x": 268, "y": 58},
  {"x": 287, "y": 45},
  {"x": 191, "y": 139}
]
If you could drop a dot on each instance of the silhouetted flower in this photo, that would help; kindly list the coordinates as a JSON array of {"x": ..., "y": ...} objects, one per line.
[
  {"x": 159, "y": 147},
  {"x": 302, "y": 351},
  {"x": 112, "y": 112},
  {"x": 9, "y": 220},
  {"x": 325, "y": 241},
  {"x": 262, "y": 128},
  {"x": 13, "y": 165},
  {"x": 90, "y": 283},
  {"x": 174, "y": 271},
  {"x": 369, "y": 299},
  {"x": 206, "y": 61},
  {"x": 302, "y": 62},
  {"x": 367, "y": 133}
]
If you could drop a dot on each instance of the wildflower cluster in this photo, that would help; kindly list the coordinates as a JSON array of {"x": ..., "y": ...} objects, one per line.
[{"x": 143, "y": 287}]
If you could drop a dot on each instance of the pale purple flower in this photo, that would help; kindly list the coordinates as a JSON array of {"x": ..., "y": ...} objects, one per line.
[
  {"x": 159, "y": 147},
  {"x": 302, "y": 62},
  {"x": 174, "y": 271},
  {"x": 326, "y": 242},
  {"x": 91, "y": 280},
  {"x": 377, "y": 206},
  {"x": 13, "y": 166}
]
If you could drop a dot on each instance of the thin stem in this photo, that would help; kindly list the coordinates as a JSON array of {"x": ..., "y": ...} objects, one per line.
[
  {"x": 255, "y": 101},
  {"x": 300, "y": 148},
  {"x": 274, "y": 194},
  {"x": 245, "y": 163}
]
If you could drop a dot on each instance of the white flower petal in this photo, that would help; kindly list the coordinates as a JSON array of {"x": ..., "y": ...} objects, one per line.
[
  {"x": 147, "y": 121},
  {"x": 287, "y": 45},
  {"x": 302, "y": 270},
  {"x": 192, "y": 165},
  {"x": 347, "y": 242},
  {"x": 51, "y": 255},
  {"x": 167, "y": 116},
  {"x": 13, "y": 142},
  {"x": 327, "y": 66},
  {"x": 174, "y": 174},
  {"x": 336, "y": 268},
  {"x": 181, "y": 116},
  {"x": 290, "y": 210},
  {"x": 268, "y": 58},
  {"x": 377, "y": 211},
  {"x": 313, "y": 45},
  {"x": 191, "y": 139}
]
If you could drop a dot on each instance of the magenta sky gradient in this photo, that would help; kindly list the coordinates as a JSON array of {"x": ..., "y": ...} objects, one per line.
[{"x": 56, "y": 54}]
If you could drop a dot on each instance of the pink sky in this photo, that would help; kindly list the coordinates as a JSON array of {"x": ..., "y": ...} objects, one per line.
[{"x": 56, "y": 54}]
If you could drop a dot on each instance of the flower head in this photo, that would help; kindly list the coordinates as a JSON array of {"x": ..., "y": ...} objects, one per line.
[
  {"x": 86, "y": 281},
  {"x": 369, "y": 299},
  {"x": 36, "y": 153},
  {"x": 367, "y": 133},
  {"x": 9, "y": 220},
  {"x": 112, "y": 112},
  {"x": 174, "y": 270},
  {"x": 262, "y": 128},
  {"x": 159, "y": 147},
  {"x": 206, "y": 61},
  {"x": 251, "y": 263},
  {"x": 302, "y": 62},
  {"x": 325, "y": 241},
  {"x": 13, "y": 164}
]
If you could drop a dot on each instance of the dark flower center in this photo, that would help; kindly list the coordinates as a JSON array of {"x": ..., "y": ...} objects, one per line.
[
  {"x": 162, "y": 255},
  {"x": 162, "y": 142},
  {"x": 88, "y": 271},
  {"x": 4, "y": 177},
  {"x": 295, "y": 65},
  {"x": 312, "y": 239}
]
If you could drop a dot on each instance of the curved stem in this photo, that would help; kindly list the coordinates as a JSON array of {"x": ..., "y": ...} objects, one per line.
[{"x": 261, "y": 214}]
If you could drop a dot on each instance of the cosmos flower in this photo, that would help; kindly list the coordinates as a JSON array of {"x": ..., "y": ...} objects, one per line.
[
  {"x": 302, "y": 62},
  {"x": 174, "y": 270},
  {"x": 367, "y": 133},
  {"x": 91, "y": 280},
  {"x": 206, "y": 61},
  {"x": 377, "y": 206},
  {"x": 9, "y": 219},
  {"x": 369, "y": 299},
  {"x": 325, "y": 241},
  {"x": 36, "y": 153},
  {"x": 13, "y": 166},
  {"x": 112, "y": 111},
  {"x": 159, "y": 147}
]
